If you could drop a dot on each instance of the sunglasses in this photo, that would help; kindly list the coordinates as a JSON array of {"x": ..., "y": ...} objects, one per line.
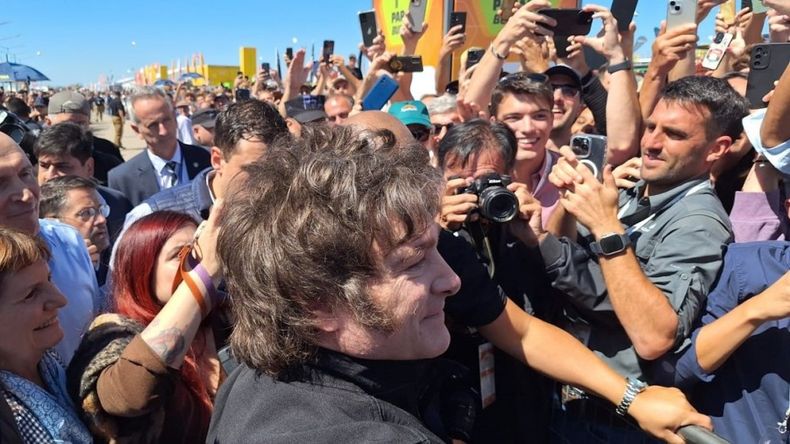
[
  {"x": 438, "y": 127},
  {"x": 420, "y": 133},
  {"x": 567, "y": 91}
]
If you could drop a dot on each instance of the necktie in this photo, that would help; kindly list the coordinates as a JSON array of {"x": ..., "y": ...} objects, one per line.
[{"x": 170, "y": 173}]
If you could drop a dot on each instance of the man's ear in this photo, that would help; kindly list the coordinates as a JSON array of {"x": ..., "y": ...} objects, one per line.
[
  {"x": 216, "y": 158},
  {"x": 89, "y": 164},
  {"x": 718, "y": 148},
  {"x": 325, "y": 319}
]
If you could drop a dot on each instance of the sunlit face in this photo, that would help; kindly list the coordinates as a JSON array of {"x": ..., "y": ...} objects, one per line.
[
  {"x": 50, "y": 167},
  {"x": 531, "y": 120},
  {"x": 246, "y": 152},
  {"x": 29, "y": 305},
  {"x": 337, "y": 110},
  {"x": 674, "y": 146},
  {"x": 167, "y": 262},
  {"x": 413, "y": 283},
  {"x": 157, "y": 124},
  {"x": 203, "y": 136},
  {"x": 442, "y": 122},
  {"x": 19, "y": 190},
  {"x": 567, "y": 101},
  {"x": 482, "y": 163},
  {"x": 83, "y": 211}
]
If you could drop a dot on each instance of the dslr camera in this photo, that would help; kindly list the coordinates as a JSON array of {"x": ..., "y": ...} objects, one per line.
[{"x": 495, "y": 202}]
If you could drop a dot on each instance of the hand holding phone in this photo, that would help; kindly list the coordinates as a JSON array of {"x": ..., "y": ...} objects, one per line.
[
  {"x": 367, "y": 24},
  {"x": 380, "y": 94},
  {"x": 681, "y": 12},
  {"x": 327, "y": 51},
  {"x": 458, "y": 18},
  {"x": 590, "y": 150},
  {"x": 417, "y": 13}
]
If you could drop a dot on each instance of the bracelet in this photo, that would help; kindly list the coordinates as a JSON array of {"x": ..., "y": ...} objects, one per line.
[
  {"x": 215, "y": 295},
  {"x": 633, "y": 387},
  {"x": 183, "y": 275},
  {"x": 625, "y": 65},
  {"x": 493, "y": 51}
]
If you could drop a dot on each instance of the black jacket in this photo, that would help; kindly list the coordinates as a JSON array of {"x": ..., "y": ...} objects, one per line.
[{"x": 336, "y": 400}]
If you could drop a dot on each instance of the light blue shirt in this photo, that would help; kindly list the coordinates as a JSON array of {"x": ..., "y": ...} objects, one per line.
[
  {"x": 73, "y": 274},
  {"x": 162, "y": 178},
  {"x": 779, "y": 155}
]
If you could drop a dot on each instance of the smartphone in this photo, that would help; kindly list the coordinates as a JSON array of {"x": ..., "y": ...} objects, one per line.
[
  {"x": 380, "y": 94},
  {"x": 507, "y": 10},
  {"x": 289, "y": 52},
  {"x": 623, "y": 12},
  {"x": 757, "y": 6},
  {"x": 242, "y": 94},
  {"x": 266, "y": 69},
  {"x": 681, "y": 12},
  {"x": 473, "y": 56},
  {"x": 367, "y": 23},
  {"x": 590, "y": 149},
  {"x": 728, "y": 11},
  {"x": 417, "y": 12},
  {"x": 327, "y": 51},
  {"x": 405, "y": 64},
  {"x": 458, "y": 18},
  {"x": 716, "y": 50},
  {"x": 569, "y": 21},
  {"x": 768, "y": 62}
]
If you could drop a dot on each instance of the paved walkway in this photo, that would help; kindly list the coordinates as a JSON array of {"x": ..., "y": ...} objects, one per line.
[{"x": 130, "y": 141}]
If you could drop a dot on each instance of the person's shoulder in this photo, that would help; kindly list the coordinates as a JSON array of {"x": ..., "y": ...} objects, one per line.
[
  {"x": 194, "y": 151},
  {"x": 759, "y": 253},
  {"x": 141, "y": 160},
  {"x": 58, "y": 235}
]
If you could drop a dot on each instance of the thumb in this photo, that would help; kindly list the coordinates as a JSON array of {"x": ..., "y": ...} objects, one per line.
[{"x": 608, "y": 177}]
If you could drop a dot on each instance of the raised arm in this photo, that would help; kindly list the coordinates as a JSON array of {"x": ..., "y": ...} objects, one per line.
[
  {"x": 524, "y": 23},
  {"x": 669, "y": 47},
  {"x": 623, "y": 120},
  {"x": 453, "y": 40},
  {"x": 775, "y": 129}
]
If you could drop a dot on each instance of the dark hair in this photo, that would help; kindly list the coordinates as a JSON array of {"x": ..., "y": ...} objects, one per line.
[
  {"x": 18, "y": 107},
  {"x": 53, "y": 193},
  {"x": 521, "y": 84},
  {"x": 468, "y": 138},
  {"x": 65, "y": 139},
  {"x": 725, "y": 105},
  {"x": 248, "y": 119},
  {"x": 298, "y": 231},
  {"x": 134, "y": 297},
  {"x": 735, "y": 75}
]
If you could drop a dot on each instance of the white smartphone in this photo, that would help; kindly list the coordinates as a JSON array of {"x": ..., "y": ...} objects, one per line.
[
  {"x": 417, "y": 11},
  {"x": 716, "y": 50},
  {"x": 681, "y": 12}
]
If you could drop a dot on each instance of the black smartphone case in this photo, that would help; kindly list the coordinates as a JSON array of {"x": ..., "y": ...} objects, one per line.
[{"x": 768, "y": 62}]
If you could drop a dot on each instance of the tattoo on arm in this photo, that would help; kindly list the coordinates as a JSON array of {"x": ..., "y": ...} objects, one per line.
[{"x": 169, "y": 343}]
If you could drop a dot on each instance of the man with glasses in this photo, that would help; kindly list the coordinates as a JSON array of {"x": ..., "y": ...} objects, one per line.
[
  {"x": 75, "y": 201},
  {"x": 65, "y": 150},
  {"x": 444, "y": 114},
  {"x": 414, "y": 114},
  {"x": 567, "y": 86}
]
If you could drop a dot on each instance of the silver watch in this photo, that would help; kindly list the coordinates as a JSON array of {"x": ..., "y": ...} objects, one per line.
[{"x": 633, "y": 387}]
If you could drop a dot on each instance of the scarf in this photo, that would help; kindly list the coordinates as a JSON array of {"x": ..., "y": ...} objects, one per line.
[{"x": 52, "y": 409}]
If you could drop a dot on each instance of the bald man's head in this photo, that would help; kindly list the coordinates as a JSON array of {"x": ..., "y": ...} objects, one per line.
[
  {"x": 19, "y": 193},
  {"x": 379, "y": 120}
]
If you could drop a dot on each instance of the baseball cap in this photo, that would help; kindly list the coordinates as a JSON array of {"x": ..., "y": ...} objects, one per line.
[
  {"x": 68, "y": 102},
  {"x": 411, "y": 112},
  {"x": 566, "y": 71},
  {"x": 206, "y": 117},
  {"x": 306, "y": 109}
]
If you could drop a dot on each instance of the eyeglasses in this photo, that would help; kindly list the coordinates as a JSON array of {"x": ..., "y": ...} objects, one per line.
[
  {"x": 420, "y": 133},
  {"x": 567, "y": 91},
  {"x": 90, "y": 213},
  {"x": 438, "y": 127}
]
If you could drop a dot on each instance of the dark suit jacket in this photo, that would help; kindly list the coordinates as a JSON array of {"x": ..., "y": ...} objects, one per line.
[
  {"x": 107, "y": 147},
  {"x": 137, "y": 180},
  {"x": 102, "y": 164},
  {"x": 119, "y": 206}
]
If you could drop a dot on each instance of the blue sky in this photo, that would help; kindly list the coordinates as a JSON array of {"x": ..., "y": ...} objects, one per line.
[{"x": 75, "y": 42}]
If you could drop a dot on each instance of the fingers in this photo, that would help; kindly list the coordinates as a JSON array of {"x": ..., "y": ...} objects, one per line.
[{"x": 608, "y": 177}]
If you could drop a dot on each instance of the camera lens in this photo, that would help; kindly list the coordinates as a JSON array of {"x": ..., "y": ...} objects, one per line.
[
  {"x": 498, "y": 204},
  {"x": 719, "y": 37}
]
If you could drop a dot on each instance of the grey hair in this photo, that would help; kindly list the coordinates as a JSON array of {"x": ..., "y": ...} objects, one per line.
[
  {"x": 443, "y": 104},
  {"x": 53, "y": 193},
  {"x": 147, "y": 93}
]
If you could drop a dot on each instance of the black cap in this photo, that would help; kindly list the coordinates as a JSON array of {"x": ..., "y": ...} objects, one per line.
[
  {"x": 206, "y": 117},
  {"x": 565, "y": 70},
  {"x": 306, "y": 109}
]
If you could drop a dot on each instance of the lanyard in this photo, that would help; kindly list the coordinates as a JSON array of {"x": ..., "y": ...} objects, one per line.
[{"x": 696, "y": 188}]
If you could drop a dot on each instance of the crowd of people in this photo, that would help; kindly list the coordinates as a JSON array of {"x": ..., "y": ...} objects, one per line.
[{"x": 280, "y": 264}]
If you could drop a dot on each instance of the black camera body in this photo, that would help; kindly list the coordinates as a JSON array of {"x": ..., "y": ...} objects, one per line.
[{"x": 495, "y": 202}]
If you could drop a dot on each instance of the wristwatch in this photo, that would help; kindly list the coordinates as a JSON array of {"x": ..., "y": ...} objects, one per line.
[
  {"x": 633, "y": 387},
  {"x": 619, "y": 66},
  {"x": 610, "y": 244}
]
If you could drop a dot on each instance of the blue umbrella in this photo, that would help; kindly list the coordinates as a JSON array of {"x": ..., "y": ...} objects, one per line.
[
  {"x": 164, "y": 82},
  {"x": 15, "y": 72},
  {"x": 189, "y": 76}
]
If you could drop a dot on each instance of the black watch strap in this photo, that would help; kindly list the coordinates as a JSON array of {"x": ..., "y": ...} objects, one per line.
[{"x": 619, "y": 66}]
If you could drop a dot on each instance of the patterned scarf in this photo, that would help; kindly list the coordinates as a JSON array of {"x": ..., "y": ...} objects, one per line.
[{"x": 52, "y": 409}]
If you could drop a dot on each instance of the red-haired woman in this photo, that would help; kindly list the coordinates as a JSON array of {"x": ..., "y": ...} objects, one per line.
[{"x": 149, "y": 372}]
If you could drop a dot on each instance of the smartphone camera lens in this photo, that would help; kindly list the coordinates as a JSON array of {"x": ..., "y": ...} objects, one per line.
[{"x": 719, "y": 37}]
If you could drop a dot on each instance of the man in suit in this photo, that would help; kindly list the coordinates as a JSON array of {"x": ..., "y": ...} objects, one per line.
[{"x": 166, "y": 162}]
